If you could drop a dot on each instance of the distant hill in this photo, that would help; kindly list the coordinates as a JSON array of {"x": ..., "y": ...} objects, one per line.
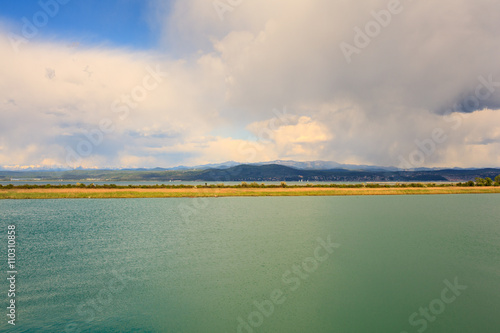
[
  {"x": 308, "y": 165},
  {"x": 325, "y": 165},
  {"x": 247, "y": 172},
  {"x": 274, "y": 172},
  {"x": 311, "y": 165}
]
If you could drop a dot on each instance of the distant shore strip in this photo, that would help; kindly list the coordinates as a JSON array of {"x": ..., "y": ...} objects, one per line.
[{"x": 242, "y": 190}]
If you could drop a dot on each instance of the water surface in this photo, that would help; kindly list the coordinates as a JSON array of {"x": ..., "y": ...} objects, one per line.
[{"x": 199, "y": 265}]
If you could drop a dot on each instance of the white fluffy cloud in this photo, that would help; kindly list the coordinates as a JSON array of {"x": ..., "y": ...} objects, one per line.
[{"x": 233, "y": 73}]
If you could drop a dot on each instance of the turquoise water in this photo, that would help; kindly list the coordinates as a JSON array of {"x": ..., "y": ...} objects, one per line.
[{"x": 255, "y": 264}]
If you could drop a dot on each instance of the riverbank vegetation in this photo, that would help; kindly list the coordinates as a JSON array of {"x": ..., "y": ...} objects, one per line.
[
  {"x": 93, "y": 191},
  {"x": 478, "y": 182}
]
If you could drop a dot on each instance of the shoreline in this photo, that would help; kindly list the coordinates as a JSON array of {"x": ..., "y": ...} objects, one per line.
[{"x": 105, "y": 193}]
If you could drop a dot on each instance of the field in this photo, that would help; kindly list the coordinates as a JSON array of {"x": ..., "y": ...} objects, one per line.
[{"x": 91, "y": 193}]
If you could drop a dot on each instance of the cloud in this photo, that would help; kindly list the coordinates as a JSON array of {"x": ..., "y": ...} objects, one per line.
[
  {"x": 43, "y": 112},
  {"x": 426, "y": 64}
]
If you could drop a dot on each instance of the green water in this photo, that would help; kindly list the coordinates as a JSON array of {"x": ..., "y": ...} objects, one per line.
[{"x": 199, "y": 265}]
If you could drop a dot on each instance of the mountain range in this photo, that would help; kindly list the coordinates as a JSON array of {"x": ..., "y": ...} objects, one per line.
[
  {"x": 232, "y": 171},
  {"x": 308, "y": 165}
]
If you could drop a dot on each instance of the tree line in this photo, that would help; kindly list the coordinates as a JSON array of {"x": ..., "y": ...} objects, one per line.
[
  {"x": 482, "y": 182},
  {"x": 478, "y": 182}
]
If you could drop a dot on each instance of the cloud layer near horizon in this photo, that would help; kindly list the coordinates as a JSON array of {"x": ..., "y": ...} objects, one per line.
[{"x": 214, "y": 98}]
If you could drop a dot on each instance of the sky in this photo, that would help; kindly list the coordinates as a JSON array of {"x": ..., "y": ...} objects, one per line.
[{"x": 156, "y": 83}]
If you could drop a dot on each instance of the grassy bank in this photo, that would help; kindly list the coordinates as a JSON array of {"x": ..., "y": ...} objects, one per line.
[{"x": 96, "y": 193}]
